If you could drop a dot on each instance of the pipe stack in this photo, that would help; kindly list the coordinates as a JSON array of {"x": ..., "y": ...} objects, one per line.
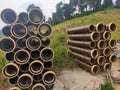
[
  {"x": 92, "y": 46},
  {"x": 26, "y": 47}
]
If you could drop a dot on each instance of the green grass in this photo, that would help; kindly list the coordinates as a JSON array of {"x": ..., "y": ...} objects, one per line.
[
  {"x": 107, "y": 86},
  {"x": 59, "y": 36}
]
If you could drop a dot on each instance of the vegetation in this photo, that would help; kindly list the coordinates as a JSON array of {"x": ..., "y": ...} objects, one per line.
[{"x": 107, "y": 86}]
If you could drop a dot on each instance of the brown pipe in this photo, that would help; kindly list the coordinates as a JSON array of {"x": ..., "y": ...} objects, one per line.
[
  {"x": 100, "y": 27},
  {"x": 6, "y": 31},
  {"x": 45, "y": 29},
  {"x": 112, "y": 43},
  {"x": 49, "y": 78},
  {"x": 9, "y": 16},
  {"x": 111, "y": 27},
  {"x": 46, "y": 54},
  {"x": 37, "y": 78},
  {"x": 9, "y": 56},
  {"x": 15, "y": 88},
  {"x": 94, "y": 36},
  {"x": 107, "y": 66},
  {"x": 82, "y": 29},
  {"x": 19, "y": 30},
  {"x": 25, "y": 81},
  {"x": 24, "y": 67},
  {"x": 94, "y": 53},
  {"x": 35, "y": 16},
  {"x": 36, "y": 67},
  {"x": 101, "y": 44},
  {"x": 83, "y": 58},
  {"x": 35, "y": 54},
  {"x": 48, "y": 65},
  {"x": 101, "y": 60},
  {"x": 21, "y": 43},
  {"x": 106, "y": 35},
  {"x": 94, "y": 69},
  {"x": 23, "y": 18},
  {"x": 7, "y": 45},
  {"x": 107, "y": 51},
  {"x": 22, "y": 56},
  {"x": 13, "y": 81},
  {"x": 45, "y": 41},
  {"x": 82, "y": 44},
  {"x": 112, "y": 58},
  {"x": 10, "y": 70},
  {"x": 33, "y": 43},
  {"x": 39, "y": 86}
]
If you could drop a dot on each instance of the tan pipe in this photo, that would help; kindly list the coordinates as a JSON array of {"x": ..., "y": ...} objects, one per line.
[
  {"x": 7, "y": 44},
  {"x": 10, "y": 70},
  {"x": 36, "y": 67},
  {"x": 15, "y": 88},
  {"x": 35, "y": 54},
  {"x": 6, "y": 31},
  {"x": 112, "y": 43},
  {"x": 39, "y": 86},
  {"x": 35, "y": 16},
  {"x": 94, "y": 69},
  {"x": 106, "y": 35},
  {"x": 112, "y": 58},
  {"x": 48, "y": 65},
  {"x": 46, "y": 54},
  {"x": 45, "y": 29},
  {"x": 22, "y": 56},
  {"x": 21, "y": 43},
  {"x": 107, "y": 51},
  {"x": 19, "y": 30},
  {"x": 25, "y": 81},
  {"x": 94, "y": 53},
  {"x": 82, "y": 44},
  {"x": 94, "y": 36},
  {"x": 100, "y": 27},
  {"x": 111, "y": 27},
  {"x": 101, "y": 60},
  {"x": 49, "y": 78},
  {"x": 107, "y": 66},
  {"x": 9, "y": 16},
  {"x": 38, "y": 78},
  {"x": 101, "y": 44},
  {"x": 23, "y": 18},
  {"x": 45, "y": 41},
  {"x": 33, "y": 43},
  {"x": 9, "y": 56},
  {"x": 13, "y": 81},
  {"x": 82, "y": 57},
  {"x": 24, "y": 67},
  {"x": 82, "y": 29}
]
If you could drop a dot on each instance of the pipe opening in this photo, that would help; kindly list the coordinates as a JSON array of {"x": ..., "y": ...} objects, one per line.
[
  {"x": 19, "y": 30},
  {"x": 6, "y": 31},
  {"x": 106, "y": 35},
  {"x": 112, "y": 43},
  {"x": 92, "y": 61},
  {"x": 45, "y": 29},
  {"x": 113, "y": 58},
  {"x": 38, "y": 78},
  {"x": 35, "y": 54},
  {"x": 8, "y": 16},
  {"x": 112, "y": 27},
  {"x": 24, "y": 67},
  {"x": 45, "y": 41},
  {"x": 23, "y": 18},
  {"x": 7, "y": 44},
  {"x": 92, "y": 44},
  {"x": 11, "y": 70},
  {"x": 100, "y": 27},
  {"x": 92, "y": 28},
  {"x": 95, "y": 53},
  {"x": 102, "y": 44},
  {"x": 46, "y": 54},
  {"x": 9, "y": 56},
  {"x": 48, "y": 65},
  {"x": 39, "y": 86},
  {"x": 107, "y": 66},
  {"x": 21, "y": 43},
  {"x": 95, "y": 36},
  {"x": 95, "y": 69},
  {"x": 36, "y": 16},
  {"x": 107, "y": 51},
  {"x": 13, "y": 81},
  {"x": 101, "y": 60}
]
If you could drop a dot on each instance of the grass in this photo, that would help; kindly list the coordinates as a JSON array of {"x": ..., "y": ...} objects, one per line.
[{"x": 107, "y": 86}]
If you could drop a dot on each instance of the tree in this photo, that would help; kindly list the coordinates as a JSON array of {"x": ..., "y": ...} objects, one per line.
[
  {"x": 31, "y": 6},
  {"x": 117, "y": 3},
  {"x": 97, "y": 4},
  {"x": 107, "y": 3}
]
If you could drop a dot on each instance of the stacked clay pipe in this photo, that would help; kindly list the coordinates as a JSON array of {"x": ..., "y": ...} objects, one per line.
[
  {"x": 26, "y": 47},
  {"x": 92, "y": 46}
]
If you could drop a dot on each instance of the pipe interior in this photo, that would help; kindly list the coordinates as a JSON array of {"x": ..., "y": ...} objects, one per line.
[
  {"x": 95, "y": 53},
  {"x": 49, "y": 78},
  {"x": 23, "y": 18},
  {"x": 36, "y": 16},
  {"x": 92, "y": 28},
  {"x": 112, "y": 27},
  {"x": 11, "y": 70},
  {"x": 102, "y": 44},
  {"x": 24, "y": 67},
  {"x": 13, "y": 80},
  {"x": 92, "y": 44},
  {"x": 96, "y": 36},
  {"x": 101, "y": 28},
  {"x": 112, "y": 43},
  {"x": 47, "y": 54},
  {"x": 35, "y": 54},
  {"x": 48, "y": 65},
  {"x": 113, "y": 58},
  {"x": 102, "y": 60},
  {"x": 45, "y": 41},
  {"x": 107, "y": 51},
  {"x": 36, "y": 66},
  {"x": 96, "y": 69},
  {"x": 21, "y": 43},
  {"x": 39, "y": 88},
  {"x": 92, "y": 61},
  {"x": 107, "y": 67},
  {"x": 45, "y": 30},
  {"x": 10, "y": 56},
  {"x": 38, "y": 78},
  {"x": 6, "y": 31},
  {"x": 107, "y": 35}
]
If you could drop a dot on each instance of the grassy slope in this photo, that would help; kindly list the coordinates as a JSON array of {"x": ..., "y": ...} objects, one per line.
[{"x": 59, "y": 36}]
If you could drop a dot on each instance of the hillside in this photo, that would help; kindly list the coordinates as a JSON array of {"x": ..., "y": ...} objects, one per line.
[{"x": 59, "y": 35}]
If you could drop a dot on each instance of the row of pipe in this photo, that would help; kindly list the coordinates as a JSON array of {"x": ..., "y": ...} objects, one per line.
[
  {"x": 26, "y": 47},
  {"x": 92, "y": 46}
]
